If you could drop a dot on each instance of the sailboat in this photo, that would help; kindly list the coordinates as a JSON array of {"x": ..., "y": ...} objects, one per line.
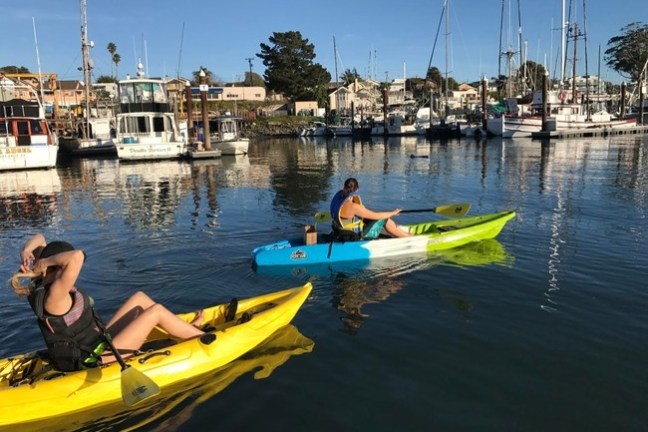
[
  {"x": 565, "y": 110},
  {"x": 92, "y": 132},
  {"x": 446, "y": 127}
]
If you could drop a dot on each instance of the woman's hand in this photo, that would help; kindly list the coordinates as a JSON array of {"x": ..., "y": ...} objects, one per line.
[
  {"x": 40, "y": 266},
  {"x": 396, "y": 212},
  {"x": 26, "y": 261}
]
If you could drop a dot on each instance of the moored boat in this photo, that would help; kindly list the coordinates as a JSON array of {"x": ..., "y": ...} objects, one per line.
[
  {"x": 90, "y": 134},
  {"x": 26, "y": 140},
  {"x": 146, "y": 125},
  {"x": 225, "y": 135},
  {"x": 30, "y": 391},
  {"x": 562, "y": 116},
  {"x": 428, "y": 236}
]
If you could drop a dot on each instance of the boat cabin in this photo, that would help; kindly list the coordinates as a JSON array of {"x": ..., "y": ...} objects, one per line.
[
  {"x": 143, "y": 95},
  {"x": 22, "y": 124}
]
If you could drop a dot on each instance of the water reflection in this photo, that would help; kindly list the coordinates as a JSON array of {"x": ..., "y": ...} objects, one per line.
[
  {"x": 28, "y": 197},
  {"x": 176, "y": 404},
  {"x": 379, "y": 281}
]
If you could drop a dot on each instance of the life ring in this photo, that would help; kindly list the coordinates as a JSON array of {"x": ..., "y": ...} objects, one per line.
[{"x": 563, "y": 96}]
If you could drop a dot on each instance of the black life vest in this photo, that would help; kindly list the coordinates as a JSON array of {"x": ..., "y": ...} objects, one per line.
[{"x": 69, "y": 346}]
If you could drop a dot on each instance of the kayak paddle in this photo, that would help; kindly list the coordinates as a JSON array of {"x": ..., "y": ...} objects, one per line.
[
  {"x": 448, "y": 210},
  {"x": 135, "y": 386}
]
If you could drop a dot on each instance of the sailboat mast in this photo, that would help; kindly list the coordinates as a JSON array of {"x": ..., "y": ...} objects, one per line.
[
  {"x": 447, "y": 13},
  {"x": 575, "y": 36},
  {"x": 562, "y": 45},
  {"x": 86, "y": 67}
]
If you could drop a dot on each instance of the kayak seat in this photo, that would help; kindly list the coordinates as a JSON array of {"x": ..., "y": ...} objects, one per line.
[{"x": 343, "y": 235}]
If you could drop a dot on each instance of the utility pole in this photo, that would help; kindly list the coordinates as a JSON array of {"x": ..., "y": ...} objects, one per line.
[{"x": 249, "y": 60}]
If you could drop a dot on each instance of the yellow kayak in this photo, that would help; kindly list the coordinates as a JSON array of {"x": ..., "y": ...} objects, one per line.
[
  {"x": 177, "y": 401},
  {"x": 30, "y": 392}
]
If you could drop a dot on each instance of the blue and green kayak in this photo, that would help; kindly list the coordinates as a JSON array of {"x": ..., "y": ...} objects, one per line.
[{"x": 428, "y": 236}]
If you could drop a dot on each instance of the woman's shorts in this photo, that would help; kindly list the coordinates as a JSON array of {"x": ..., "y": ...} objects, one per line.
[{"x": 372, "y": 228}]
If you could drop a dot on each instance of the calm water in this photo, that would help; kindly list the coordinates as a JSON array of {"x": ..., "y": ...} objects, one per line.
[{"x": 544, "y": 328}]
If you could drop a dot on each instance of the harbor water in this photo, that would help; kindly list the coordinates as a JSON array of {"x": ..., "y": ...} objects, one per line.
[{"x": 543, "y": 328}]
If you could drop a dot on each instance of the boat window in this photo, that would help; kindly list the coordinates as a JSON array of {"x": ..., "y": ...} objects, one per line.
[
  {"x": 227, "y": 127},
  {"x": 134, "y": 125},
  {"x": 3, "y": 128},
  {"x": 23, "y": 128},
  {"x": 143, "y": 92},
  {"x": 36, "y": 127},
  {"x": 158, "y": 124},
  {"x": 158, "y": 93},
  {"x": 127, "y": 94}
]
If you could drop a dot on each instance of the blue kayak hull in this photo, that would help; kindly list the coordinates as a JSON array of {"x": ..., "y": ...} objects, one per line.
[{"x": 428, "y": 236}]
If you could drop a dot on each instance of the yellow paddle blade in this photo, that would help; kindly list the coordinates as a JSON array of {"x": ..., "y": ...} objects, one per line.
[
  {"x": 136, "y": 387},
  {"x": 453, "y": 210},
  {"x": 323, "y": 216}
]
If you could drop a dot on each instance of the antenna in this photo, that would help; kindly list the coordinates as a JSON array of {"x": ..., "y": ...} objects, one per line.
[
  {"x": 249, "y": 60},
  {"x": 40, "y": 77},
  {"x": 180, "y": 53}
]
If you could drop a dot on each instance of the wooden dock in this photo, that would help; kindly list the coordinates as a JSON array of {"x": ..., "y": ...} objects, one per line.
[{"x": 594, "y": 132}]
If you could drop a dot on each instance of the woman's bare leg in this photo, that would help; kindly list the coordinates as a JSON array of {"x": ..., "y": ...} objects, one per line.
[
  {"x": 133, "y": 335},
  {"x": 129, "y": 311},
  {"x": 392, "y": 228}
]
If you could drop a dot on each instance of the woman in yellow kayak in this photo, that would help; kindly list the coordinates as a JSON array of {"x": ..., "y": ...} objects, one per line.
[
  {"x": 352, "y": 219},
  {"x": 67, "y": 320}
]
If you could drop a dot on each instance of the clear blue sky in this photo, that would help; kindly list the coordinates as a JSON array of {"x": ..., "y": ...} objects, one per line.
[{"x": 384, "y": 38}]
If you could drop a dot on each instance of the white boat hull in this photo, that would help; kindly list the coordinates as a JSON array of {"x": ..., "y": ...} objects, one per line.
[
  {"x": 520, "y": 127},
  {"x": 28, "y": 157},
  {"x": 151, "y": 151},
  {"x": 232, "y": 147}
]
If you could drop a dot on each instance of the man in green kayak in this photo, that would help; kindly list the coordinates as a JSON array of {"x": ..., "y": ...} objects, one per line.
[
  {"x": 353, "y": 221},
  {"x": 72, "y": 332}
]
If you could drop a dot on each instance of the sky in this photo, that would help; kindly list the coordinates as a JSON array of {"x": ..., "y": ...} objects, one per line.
[{"x": 380, "y": 39}]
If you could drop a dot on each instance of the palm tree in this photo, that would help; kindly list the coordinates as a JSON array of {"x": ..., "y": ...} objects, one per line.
[
  {"x": 209, "y": 76},
  {"x": 112, "y": 49},
  {"x": 116, "y": 58}
]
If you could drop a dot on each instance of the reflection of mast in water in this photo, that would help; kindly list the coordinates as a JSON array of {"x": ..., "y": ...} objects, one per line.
[{"x": 555, "y": 241}]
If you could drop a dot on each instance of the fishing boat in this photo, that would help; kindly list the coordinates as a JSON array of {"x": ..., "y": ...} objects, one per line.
[
  {"x": 31, "y": 391},
  {"x": 226, "y": 137},
  {"x": 92, "y": 132},
  {"x": 26, "y": 140},
  {"x": 427, "y": 237},
  {"x": 563, "y": 115},
  {"x": 146, "y": 125}
]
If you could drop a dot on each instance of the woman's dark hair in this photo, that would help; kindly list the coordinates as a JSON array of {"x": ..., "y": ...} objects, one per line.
[{"x": 350, "y": 185}]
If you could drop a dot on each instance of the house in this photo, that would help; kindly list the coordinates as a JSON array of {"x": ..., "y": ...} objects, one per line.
[{"x": 361, "y": 95}]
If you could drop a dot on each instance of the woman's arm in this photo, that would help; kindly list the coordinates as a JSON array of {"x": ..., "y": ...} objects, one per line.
[
  {"x": 30, "y": 251},
  {"x": 364, "y": 213},
  {"x": 67, "y": 266}
]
